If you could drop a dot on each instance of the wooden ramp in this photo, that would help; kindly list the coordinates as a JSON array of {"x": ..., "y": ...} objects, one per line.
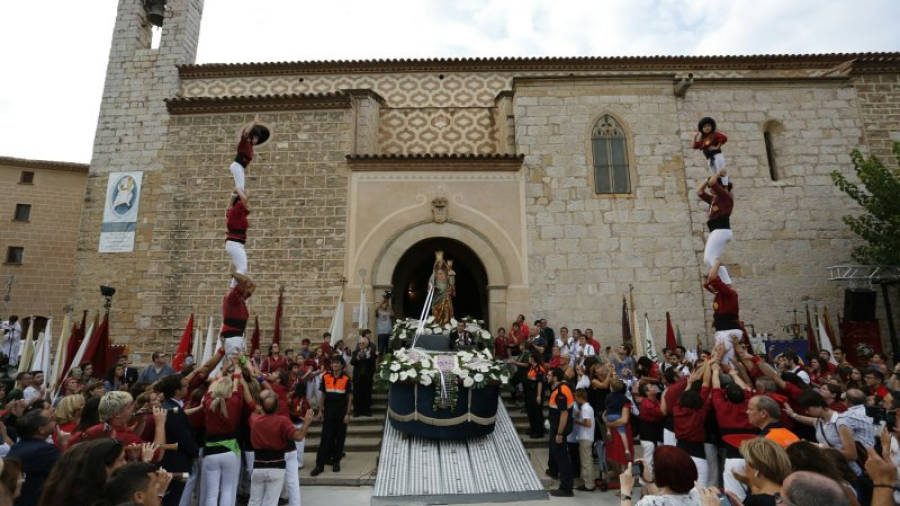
[{"x": 493, "y": 468}]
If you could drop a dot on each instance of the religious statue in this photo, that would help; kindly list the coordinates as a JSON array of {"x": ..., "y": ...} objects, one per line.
[{"x": 443, "y": 281}]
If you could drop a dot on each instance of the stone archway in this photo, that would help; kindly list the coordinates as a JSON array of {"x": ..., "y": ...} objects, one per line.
[{"x": 410, "y": 278}]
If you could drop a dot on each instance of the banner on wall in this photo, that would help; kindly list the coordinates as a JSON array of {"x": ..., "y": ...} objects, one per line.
[{"x": 120, "y": 212}]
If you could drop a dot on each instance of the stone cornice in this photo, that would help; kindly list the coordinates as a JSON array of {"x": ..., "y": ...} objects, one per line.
[
  {"x": 863, "y": 62},
  {"x": 292, "y": 102},
  {"x": 25, "y": 163},
  {"x": 436, "y": 162}
]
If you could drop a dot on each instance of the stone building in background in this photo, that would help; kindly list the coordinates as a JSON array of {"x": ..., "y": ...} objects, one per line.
[
  {"x": 39, "y": 222},
  {"x": 555, "y": 184}
]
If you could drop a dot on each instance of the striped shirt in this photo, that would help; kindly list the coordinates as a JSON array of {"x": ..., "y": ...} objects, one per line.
[{"x": 862, "y": 426}]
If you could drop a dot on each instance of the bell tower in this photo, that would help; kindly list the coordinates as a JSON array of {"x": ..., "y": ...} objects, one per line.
[
  {"x": 139, "y": 76},
  {"x": 131, "y": 136}
]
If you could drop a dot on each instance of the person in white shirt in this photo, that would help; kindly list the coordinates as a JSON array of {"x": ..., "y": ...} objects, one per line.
[
  {"x": 36, "y": 389},
  {"x": 11, "y": 339},
  {"x": 584, "y": 436},
  {"x": 583, "y": 350}
]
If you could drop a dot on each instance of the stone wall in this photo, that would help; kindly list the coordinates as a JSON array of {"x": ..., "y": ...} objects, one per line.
[
  {"x": 879, "y": 106},
  {"x": 297, "y": 190},
  {"x": 586, "y": 249},
  {"x": 44, "y": 279}
]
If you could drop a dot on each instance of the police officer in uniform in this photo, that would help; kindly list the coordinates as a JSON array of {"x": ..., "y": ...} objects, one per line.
[
  {"x": 335, "y": 404},
  {"x": 562, "y": 402}
]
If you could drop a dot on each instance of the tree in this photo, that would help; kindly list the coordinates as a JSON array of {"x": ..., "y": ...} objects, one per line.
[{"x": 879, "y": 196}]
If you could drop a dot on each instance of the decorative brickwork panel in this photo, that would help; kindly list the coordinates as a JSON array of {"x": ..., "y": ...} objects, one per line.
[
  {"x": 879, "y": 107},
  {"x": 438, "y": 131}
]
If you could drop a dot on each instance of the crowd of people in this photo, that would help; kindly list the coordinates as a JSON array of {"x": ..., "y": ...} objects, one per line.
[
  {"x": 755, "y": 429},
  {"x": 232, "y": 428}
]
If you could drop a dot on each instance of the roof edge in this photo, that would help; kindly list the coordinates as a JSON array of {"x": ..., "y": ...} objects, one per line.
[
  {"x": 503, "y": 162},
  {"x": 867, "y": 60},
  {"x": 27, "y": 163},
  {"x": 285, "y": 102}
]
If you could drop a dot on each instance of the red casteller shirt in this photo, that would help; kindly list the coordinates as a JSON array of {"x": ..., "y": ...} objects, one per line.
[
  {"x": 216, "y": 424},
  {"x": 271, "y": 432},
  {"x": 236, "y": 222},
  {"x": 721, "y": 203},
  {"x": 725, "y": 305},
  {"x": 730, "y": 415},
  {"x": 650, "y": 411},
  {"x": 234, "y": 313},
  {"x": 282, "y": 392},
  {"x": 244, "y": 151},
  {"x": 690, "y": 424},
  {"x": 274, "y": 363},
  {"x": 716, "y": 138}
]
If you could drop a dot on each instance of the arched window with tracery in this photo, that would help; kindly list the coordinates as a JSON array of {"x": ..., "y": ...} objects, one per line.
[{"x": 608, "y": 143}]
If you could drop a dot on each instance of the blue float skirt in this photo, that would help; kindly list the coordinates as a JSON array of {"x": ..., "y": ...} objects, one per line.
[{"x": 411, "y": 411}]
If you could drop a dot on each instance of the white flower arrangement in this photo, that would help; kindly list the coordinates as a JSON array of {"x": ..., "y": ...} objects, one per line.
[
  {"x": 404, "y": 330},
  {"x": 476, "y": 369}
]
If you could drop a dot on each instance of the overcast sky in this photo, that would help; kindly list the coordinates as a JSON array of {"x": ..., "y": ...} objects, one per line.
[{"x": 55, "y": 51}]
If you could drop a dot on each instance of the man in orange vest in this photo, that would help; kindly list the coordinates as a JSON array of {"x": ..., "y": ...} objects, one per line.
[
  {"x": 335, "y": 404},
  {"x": 764, "y": 414},
  {"x": 562, "y": 402}
]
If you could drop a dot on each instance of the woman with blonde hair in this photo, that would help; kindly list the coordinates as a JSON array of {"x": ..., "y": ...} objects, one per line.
[
  {"x": 221, "y": 464},
  {"x": 766, "y": 465},
  {"x": 68, "y": 412}
]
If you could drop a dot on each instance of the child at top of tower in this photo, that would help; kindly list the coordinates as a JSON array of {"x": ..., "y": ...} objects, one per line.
[
  {"x": 252, "y": 135},
  {"x": 710, "y": 141}
]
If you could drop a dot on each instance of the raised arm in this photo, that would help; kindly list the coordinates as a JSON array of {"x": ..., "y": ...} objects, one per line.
[{"x": 769, "y": 372}]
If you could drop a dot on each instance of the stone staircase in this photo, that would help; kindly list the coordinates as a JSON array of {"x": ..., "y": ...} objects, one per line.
[
  {"x": 520, "y": 420},
  {"x": 364, "y": 433}
]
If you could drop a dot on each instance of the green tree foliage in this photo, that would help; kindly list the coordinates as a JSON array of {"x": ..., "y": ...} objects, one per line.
[{"x": 879, "y": 196}]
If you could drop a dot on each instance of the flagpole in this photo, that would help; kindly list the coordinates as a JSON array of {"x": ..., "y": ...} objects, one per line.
[{"x": 633, "y": 321}]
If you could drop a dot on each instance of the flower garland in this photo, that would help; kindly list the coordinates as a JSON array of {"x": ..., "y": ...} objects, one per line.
[
  {"x": 405, "y": 330},
  {"x": 474, "y": 369}
]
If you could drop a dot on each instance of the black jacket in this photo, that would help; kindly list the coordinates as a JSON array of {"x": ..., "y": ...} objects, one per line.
[{"x": 178, "y": 430}]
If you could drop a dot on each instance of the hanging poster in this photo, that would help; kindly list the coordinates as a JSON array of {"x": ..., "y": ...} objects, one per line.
[{"x": 120, "y": 212}]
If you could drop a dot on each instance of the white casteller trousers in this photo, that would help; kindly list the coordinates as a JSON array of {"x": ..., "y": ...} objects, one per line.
[
  {"x": 265, "y": 486},
  {"x": 716, "y": 163},
  {"x": 702, "y": 471},
  {"x": 237, "y": 171},
  {"x": 669, "y": 438},
  {"x": 238, "y": 254},
  {"x": 712, "y": 464},
  {"x": 724, "y": 337},
  {"x": 715, "y": 246},
  {"x": 290, "y": 490},
  {"x": 648, "y": 448},
  {"x": 219, "y": 478},
  {"x": 731, "y": 483}
]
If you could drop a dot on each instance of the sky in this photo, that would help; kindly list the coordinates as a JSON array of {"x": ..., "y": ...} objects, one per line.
[{"x": 56, "y": 50}]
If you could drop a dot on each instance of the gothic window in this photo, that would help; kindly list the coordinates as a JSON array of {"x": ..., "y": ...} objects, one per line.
[
  {"x": 610, "y": 157},
  {"x": 772, "y": 133}
]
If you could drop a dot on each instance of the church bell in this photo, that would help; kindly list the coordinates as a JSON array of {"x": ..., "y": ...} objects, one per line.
[{"x": 156, "y": 11}]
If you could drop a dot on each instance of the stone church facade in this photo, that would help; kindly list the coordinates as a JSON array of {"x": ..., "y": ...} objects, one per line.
[{"x": 492, "y": 159}]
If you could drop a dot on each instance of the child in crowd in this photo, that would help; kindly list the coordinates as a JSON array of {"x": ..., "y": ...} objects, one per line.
[{"x": 615, "y": 400}]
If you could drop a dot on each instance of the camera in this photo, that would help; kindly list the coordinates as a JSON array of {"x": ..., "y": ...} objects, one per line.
[
  {"x": 107, "y": 291},
  {"x": 386, "y": 295},
  {"x": 637, "y": 469}
]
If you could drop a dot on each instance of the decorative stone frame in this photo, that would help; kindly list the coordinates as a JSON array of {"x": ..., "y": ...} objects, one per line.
[{"x": 629, "y": 155}]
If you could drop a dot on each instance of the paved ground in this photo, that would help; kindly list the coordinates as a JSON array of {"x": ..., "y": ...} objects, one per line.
[{"x": 340, "y": 496}]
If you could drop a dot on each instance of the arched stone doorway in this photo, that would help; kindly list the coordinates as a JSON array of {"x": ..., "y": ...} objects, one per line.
[{"x": 410, "y": 278}]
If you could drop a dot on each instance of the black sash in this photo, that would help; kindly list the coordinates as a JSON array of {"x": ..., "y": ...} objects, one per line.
[{"x": 719, "y": 222}]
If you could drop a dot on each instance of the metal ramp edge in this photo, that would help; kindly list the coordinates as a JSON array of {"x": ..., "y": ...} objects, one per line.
[{"x": 493, "y": 468}]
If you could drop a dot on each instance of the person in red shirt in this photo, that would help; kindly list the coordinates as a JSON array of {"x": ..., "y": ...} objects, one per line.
[
  {"x": 721, "y": 204},
  {"x": 730, "y": 406},
  {"x": 270, "y": 434},
  {"x": 326, "y": 346},
  {"x": 236, "y": 235},
  {"x": 726, "y": 311},
  {"x": 500, "y": 352},
  {"x": 299, "y": 406},
  {"x": 274, "y": 361},
  {"x": 589, "y": 336},
  {"x": 651, "y": 418},
  {"x": 520, "y": 329},
  {"x": 689, "y": 414},
  {"x": 220, "y": 472},
  {"x": 277, "y": 382},
  {"x": 117, "y": 409},
  {"x": 235, "y": 315},
  {"x": 251, "y": 135},
  {"x": 710, "y": 141},
  {"x": 874, "y": 384}
]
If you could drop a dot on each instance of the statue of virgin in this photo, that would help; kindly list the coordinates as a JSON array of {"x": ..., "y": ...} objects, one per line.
[{"x": 443, "y": 281}]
